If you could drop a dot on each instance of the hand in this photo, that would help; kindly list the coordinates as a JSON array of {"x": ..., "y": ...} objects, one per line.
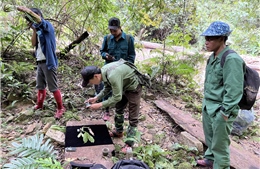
[
  {"x": 30, "y": 25},
  {"x": 34, "y": 17},
  {"x": 109, "y": 57},
  {"x": 91, "y": 100},
  {"x": 23, "y": 9},
  {"x": 95, "y": 106}
]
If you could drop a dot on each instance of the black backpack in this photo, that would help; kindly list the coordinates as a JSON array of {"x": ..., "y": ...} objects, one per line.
[
  {"x": 251, "y": 84},
  {"x": 130, "y": 164},
  {"x": 74, "y": 165}
]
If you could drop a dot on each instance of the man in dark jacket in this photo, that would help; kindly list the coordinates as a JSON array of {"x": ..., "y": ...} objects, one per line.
[{"x": 117, "y": 45}]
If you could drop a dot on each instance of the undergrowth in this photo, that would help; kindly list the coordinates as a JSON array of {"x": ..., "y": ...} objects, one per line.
[{"x": 33, "y": 152}]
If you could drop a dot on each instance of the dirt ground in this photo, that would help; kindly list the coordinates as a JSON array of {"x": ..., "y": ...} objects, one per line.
[
  {"x": 155, "y": 122},
  {"x": 152, "y": 120}
]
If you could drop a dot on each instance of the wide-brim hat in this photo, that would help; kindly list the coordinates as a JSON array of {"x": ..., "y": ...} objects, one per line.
[{"x": 217, "y": 28}]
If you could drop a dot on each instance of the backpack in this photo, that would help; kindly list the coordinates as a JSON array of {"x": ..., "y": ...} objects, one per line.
[
  {"x": 143, "y": 79},
  {"x": 130, "y": 164},
  {"x": 251, "y": 84},
  {"x": 74, "y": 165}
]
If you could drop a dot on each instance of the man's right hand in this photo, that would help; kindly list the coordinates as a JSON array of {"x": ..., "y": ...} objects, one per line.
[
  {"x": 34, "y": 16},
  {"x": 20, "y": 8},
  {"x": 109, "y": 57},
  {"x": 30, "y": 25}
]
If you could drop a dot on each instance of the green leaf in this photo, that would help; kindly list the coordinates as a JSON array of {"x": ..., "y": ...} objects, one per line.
[
  {"x": 150, "y": 163},
  {"x": 26, "y": 153},
  {"x": 91, "y": 139},
  {"x": 85, "y": 137},
  {"x": 18, "y": 150}
]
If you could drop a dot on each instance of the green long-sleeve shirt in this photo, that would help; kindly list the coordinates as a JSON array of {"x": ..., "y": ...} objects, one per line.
[
  {"x": 119, "y": 78},
  {"x": 223, "y": 87}
]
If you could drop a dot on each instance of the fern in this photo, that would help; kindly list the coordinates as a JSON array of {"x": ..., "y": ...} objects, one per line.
[
  {"x": 30, "y": 163},
  {"x": 33, "y": 147},
  {"x": 32, "y": 153},
  {"x": 21, "y": 163}
]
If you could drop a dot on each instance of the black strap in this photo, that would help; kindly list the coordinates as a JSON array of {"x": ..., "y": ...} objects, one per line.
[
  {"x": 108, "y": 80},
  {"x": 40, "y": 61},
  {"x": 108, "y": 38},
  {"x": 225, "y": 54},
  {"x": 76, "y": 165},
  {"x": 223, "y": 59}
]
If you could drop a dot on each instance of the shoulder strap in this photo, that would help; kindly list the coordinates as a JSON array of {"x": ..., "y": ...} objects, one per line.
[
  {"x": 128, "y": 38},
  {"x": 130, "y": 64},
  {"x": 108, "y": 38},
  {"x": 208, "y": 61},
  {"x": 223, "y": 59}
]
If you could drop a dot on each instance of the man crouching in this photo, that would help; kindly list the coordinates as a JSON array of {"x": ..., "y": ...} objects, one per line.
[{"x": 122, "y": 80}]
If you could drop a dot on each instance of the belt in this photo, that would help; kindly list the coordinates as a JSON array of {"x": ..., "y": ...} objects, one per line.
[{"x": 40, "y": 61}]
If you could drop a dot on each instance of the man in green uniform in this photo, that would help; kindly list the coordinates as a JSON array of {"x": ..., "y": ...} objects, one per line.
[
  {"x": 122, "y": 80},
  {"x": 223, "y": 89}
]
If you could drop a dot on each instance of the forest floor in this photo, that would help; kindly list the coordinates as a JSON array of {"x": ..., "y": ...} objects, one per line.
[{"x": 151, "y": 118}]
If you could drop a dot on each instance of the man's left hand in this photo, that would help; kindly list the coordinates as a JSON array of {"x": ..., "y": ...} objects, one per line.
[{"x": 95, "y": 106}]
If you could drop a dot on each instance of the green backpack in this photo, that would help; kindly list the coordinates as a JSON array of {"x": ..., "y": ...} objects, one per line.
[{"x": 143, "y": 79}]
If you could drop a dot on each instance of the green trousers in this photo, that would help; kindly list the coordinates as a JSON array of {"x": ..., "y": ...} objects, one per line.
[{"x": 217, "y": 131}]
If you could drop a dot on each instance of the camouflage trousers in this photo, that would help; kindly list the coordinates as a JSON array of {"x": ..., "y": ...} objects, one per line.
[{"x": 132, "y": 98}]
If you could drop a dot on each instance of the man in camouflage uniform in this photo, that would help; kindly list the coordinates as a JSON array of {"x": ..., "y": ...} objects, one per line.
[{"x": 122, "y": 80}]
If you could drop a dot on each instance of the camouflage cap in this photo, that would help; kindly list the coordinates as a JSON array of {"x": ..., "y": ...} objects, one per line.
[{"x": 217, "y": 28}]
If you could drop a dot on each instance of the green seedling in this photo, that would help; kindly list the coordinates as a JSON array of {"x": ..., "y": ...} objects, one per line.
[{"x": 86, "y": 135}]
